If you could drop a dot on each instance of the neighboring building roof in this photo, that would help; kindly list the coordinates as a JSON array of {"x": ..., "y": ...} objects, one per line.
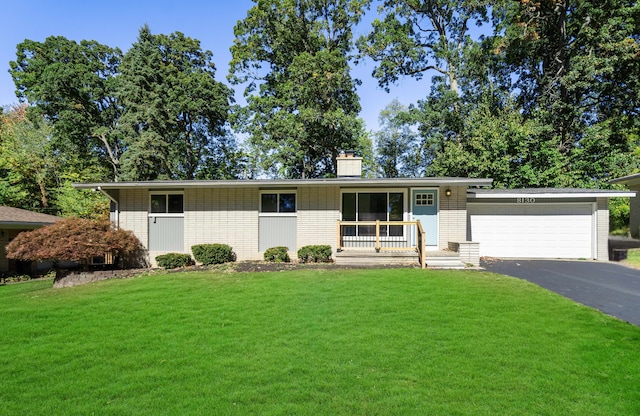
[
  {"x": 547, "y": 193},
  {"x": 21, "y": 217},
  {"x": 290, "y": 183},
  {"x": 628, "y": 180}
]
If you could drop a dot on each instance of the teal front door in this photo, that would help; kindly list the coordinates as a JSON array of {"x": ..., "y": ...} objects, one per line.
[{"x": 425, "y": 208}]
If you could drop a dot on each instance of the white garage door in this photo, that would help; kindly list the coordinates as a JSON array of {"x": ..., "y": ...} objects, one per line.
[{"x": 533, "y": 231}]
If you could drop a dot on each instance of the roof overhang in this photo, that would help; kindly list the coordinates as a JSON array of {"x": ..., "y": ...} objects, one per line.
[
  {"x": 629, "y": 180},
  {"x": 18, "y": 225},
  {"x": 289, "y": 183},
  {"x": 548, "y": 193}
]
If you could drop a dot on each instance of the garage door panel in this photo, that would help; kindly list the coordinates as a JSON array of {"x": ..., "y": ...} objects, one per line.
[{"x": 537, "y": 231}]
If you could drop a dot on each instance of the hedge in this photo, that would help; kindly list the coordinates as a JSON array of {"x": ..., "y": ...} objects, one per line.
[
  {"x": 213, "y": 253},
  {"x": 315, "y": 254},
  {"x": 174, "y": 260},
  {"x": 277, "y": 254}
]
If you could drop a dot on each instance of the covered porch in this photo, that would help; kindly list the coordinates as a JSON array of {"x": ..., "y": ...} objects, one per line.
[{"x": 396, "y": 242}]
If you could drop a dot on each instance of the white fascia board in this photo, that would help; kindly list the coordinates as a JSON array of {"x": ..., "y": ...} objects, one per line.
[
  {"x": 622, "y": 194},
  {"x": 628, "y": 180},
  {"x": 291, "y": 183}
]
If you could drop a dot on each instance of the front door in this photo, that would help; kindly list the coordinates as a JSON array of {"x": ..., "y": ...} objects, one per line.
[{"x": 425, "y": 208}]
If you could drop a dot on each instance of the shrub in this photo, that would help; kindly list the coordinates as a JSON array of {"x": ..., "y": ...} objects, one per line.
[
  {"x": 315, "y": 254},
  {"x": 73, "y": 239},
  {"x": 277, "y": 254},
  {"x": 174, "y": 260},
  {"x": 213, "y": 253}
]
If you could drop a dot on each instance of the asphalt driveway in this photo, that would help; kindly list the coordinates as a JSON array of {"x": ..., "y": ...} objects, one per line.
[{"x": 608, "y": 287}]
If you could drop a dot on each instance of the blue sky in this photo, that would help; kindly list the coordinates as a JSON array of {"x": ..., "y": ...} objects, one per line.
[{"x": 116, "y": 24}]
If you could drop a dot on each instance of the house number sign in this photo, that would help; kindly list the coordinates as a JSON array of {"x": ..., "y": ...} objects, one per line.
[{"x": 525, "y": 200}]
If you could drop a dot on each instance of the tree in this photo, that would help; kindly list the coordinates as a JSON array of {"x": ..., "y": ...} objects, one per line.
[
  {"x": 419, "y": 36},
  {"x": 496, "y": 141},
  {"x": 34, "y": 175},
  {"x": 28, "y": 166},
  {"x": 73, "y": 239},
  {"x": 302, "y": 106},
  {"x": 174, "y": 109},
  {"x": 576, "y": 69},
  {"x": 398, "y": 152},
  {"x": 72, "y": 85}
]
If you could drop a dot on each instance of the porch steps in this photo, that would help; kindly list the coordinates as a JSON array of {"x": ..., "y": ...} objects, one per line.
[
  {"x": 444, "y": 260},
  {"x": 435, "y": 259}
]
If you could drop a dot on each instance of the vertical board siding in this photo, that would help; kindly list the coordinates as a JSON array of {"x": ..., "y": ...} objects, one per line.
[
  {"x": 223, "y": 215},
  {"x": 166, "y": 234},
  {"x": 453, "y": 215},
  {"x": 277, "y": 231}
]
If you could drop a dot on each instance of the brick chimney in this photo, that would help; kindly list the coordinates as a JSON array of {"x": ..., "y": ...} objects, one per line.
[{"x": 348, "y": 165}]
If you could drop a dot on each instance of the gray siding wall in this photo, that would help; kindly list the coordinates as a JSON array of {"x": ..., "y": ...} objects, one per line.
[
  {"x": 277, "y": 231},
  {"x": 452, "y": 216},
  {"x": 166, "y": 234},
  {"x": 602, "y": 229}
]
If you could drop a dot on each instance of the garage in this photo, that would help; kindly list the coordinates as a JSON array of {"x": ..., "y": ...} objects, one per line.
[{"x": 540, "y": 223}]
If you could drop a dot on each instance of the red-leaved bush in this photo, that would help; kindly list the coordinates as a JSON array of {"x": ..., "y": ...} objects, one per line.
[{"x": 73, "y": 239}]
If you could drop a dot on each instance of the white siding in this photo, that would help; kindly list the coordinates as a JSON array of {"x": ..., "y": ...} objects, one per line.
[
  {"x": 453, "y": 216},
  {"x": 318, "y": 213},
  {"x": 223, "y": 215},
  {"x": 602, "y": 229},
  {"x": 134, "y": 206}
]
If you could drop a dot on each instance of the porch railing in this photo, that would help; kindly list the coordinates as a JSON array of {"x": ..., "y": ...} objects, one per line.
[{"x": 412, "y": 237}]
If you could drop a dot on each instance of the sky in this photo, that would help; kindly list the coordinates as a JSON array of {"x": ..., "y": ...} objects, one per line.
[{"x": 117, "y": 23}]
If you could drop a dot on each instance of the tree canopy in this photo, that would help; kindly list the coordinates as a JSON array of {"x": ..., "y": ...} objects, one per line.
[
  {"x": 302, "y": 106},
  {"x": 72, "y": 239},
  {"x": 538, "y": 94},
  {"x": 174, "y": 109},
  {"x": 73, "y": 86}
]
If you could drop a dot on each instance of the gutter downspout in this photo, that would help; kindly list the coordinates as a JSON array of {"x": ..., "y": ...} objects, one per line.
[{"x": 99, "y": 189}]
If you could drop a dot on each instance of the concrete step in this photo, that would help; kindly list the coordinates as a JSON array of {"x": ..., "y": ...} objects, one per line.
[
  {"x": 445, "y": 263},
  {"x": 371, "y": 257},
  {"x": 435, "y": 260}
]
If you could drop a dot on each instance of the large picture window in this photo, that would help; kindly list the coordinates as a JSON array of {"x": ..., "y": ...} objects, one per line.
[
  {"x": 278, "y": 202},
  {"x": 373, "y": 206}
]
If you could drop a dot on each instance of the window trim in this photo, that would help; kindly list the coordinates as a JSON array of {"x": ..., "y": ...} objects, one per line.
[
  {"x": 277, "y": 192},
  {"x": 429, "y": 200},
  {"x": 165, "y": 214},
  {"x": 405, "y": 207}
]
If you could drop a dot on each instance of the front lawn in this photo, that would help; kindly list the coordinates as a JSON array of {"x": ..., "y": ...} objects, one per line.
[
  {"x": 633, "y": 258},
  {"x": 332, "y": 342}
]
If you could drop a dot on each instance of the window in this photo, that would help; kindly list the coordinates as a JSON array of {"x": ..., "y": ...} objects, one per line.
[
  {"x": 275, "y": 202},
  {"x": 167, "y": 204},
  {"x": 372, "y": 206},
  {"x": 424, "y": 199}
]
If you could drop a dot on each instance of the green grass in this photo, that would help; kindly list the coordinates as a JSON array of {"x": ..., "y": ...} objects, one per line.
[
  {"x": 633, "y": 258},
  {"x": 332, "y": 342}
]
